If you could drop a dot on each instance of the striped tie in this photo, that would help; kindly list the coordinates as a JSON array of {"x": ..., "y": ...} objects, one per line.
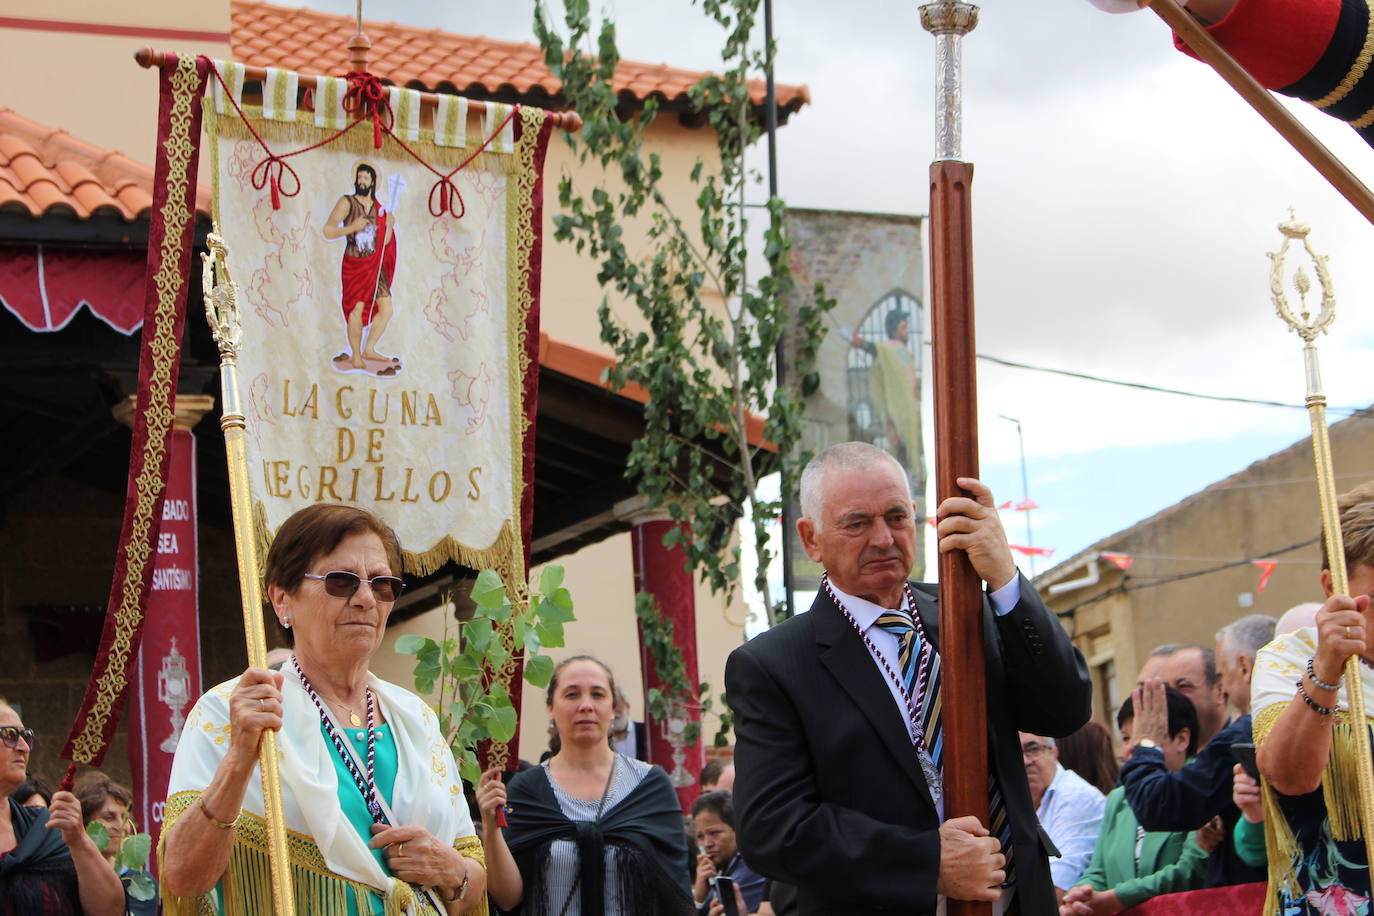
[{"x": 925, "y": 698}]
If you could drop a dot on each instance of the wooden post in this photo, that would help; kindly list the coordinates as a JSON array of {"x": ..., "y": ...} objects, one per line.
[
  {"x": 963, "y": 688},
  {"x": 1201, "y": 42}
]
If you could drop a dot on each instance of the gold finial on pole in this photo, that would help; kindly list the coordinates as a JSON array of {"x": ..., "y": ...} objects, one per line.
[
  {"x": 1308, "y": 326},
  {"x": 222, "y": 312}
]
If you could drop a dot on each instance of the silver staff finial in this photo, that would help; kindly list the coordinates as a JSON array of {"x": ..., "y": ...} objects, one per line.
[{"x": 949, "y": 21}]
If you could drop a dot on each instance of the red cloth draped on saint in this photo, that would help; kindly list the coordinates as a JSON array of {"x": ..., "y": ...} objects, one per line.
[{"x": 368, "y": 267}]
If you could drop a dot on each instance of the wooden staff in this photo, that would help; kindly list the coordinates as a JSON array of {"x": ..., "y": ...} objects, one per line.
[
  {"x": 1307, "y": 326},
  {"x": 222, "y": 312},
  {"x": 567, "y": 120},
  {"x": 1201, "y": 42},
  {"x": 963, "y": 692}
]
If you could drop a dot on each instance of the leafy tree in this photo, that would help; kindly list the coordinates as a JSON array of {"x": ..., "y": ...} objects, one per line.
[{"x": 706, "y": 353}]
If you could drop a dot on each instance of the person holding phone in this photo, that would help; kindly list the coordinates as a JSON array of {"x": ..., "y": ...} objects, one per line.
[{"x": 720, "y": 865}]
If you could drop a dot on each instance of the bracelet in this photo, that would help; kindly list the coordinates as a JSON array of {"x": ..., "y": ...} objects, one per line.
[
  {"x": 1311, "y": 673},
  {"x": 462, "y": 888},
  {"x": 1323, "y": 710},
  {"x": 200, "y": 802}
]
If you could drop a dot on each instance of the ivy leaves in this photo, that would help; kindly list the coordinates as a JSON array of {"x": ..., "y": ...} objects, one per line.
[
  {"x": 133, "y": 856},
  {"x": 473, "y": 706}
]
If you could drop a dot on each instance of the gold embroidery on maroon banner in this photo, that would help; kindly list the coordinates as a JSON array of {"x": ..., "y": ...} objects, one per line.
[{"x": 164, "y": 348}]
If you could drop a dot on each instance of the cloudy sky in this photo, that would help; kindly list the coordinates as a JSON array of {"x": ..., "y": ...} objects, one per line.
[{"x": 1124, "y": 201}]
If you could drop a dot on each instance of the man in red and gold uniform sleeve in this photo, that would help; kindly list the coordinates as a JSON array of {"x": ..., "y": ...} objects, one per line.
[{"x": 1314, "y": 50}]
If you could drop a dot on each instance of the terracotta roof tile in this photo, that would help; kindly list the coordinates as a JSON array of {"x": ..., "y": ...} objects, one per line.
[
  {"x": 44, "y": 170},
  {"x": 310, "y": 41}
]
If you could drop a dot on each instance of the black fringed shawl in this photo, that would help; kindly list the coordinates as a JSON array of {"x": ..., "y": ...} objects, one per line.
[
  {"x": 644, "y": 831},
  {"x": 37, "y": 877}
]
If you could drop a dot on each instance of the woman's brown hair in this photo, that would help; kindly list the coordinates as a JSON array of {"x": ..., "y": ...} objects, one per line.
[{"x": 313, "y": 532}]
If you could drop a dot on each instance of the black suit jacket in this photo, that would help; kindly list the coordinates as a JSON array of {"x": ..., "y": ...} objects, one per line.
[{"x": 829, "y": 795}]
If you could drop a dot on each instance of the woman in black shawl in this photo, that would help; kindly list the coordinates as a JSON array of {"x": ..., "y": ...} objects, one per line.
[
  {"x": 590, "y": 831},
  {"x": 48, "y": 865}
]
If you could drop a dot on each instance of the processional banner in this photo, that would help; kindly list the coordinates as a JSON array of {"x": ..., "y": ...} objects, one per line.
[
  {"x": 390, "y": 267},
  {"x": 388, "y": 283}
]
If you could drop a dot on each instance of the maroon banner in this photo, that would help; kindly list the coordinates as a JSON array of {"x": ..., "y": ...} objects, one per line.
[
  {"x": 171, "y": 231},
  {"x": 1236, "y": 900},
  {"x": 167, "y": 680},
  {"x": 663, "y": 573}
]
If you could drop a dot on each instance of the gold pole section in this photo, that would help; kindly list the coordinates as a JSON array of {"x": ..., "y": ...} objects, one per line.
[
  {"x": 222, "y": 312},
  {"x": 1307, "y": 326}
]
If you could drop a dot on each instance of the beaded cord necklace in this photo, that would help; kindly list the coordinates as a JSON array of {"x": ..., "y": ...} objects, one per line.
[
  {"x": 934, "y": 777},
  {"x": 367, "y": 785}
]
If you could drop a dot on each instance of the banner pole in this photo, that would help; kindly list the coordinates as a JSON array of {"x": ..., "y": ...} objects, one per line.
[
  {"x": 222, "y": 313},
  {"x": 1201, "y": 42},
  {"x": 1308, "y": 326},
  {"x": 964, "y": 689}
]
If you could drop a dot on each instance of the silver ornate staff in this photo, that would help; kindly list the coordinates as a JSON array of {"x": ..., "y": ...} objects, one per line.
[{"x": 1308, "y": 326}]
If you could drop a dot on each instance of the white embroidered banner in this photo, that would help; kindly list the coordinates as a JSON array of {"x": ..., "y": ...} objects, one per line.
[{"x": 386, "y": 351}]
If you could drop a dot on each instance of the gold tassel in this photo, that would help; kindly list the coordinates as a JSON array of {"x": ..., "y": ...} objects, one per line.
[
  {"x": 1340, "y": 785},
  {"x": 1282, "y": 847}
]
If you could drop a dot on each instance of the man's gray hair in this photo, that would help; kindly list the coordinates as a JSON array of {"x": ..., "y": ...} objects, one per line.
[
  {"x": 1247, "y": 635},
  {"x": 1209, "y": 657},
  {"x": 843, "y": 456}
]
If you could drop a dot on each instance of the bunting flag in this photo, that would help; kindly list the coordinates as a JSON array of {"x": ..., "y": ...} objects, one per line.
[
  {"x": 171, "y": 230},
  {"x": 1026, "y": 505},
  {"x": 1119, "y": 560},
  {"x": 1266, "y": 570},
  {"x": 388, "y": 284},
  {"x": 1032, "y": 551}
]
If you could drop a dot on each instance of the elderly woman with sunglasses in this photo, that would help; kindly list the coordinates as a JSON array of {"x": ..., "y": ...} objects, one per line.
[
  {"x": 370, "y": 789},
  {"x": 48, "y": 865}
]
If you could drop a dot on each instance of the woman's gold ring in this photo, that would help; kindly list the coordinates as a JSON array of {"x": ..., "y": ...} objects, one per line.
[
  {"x": 401, "y": 849},
  {"x": 262, "y": 704}
]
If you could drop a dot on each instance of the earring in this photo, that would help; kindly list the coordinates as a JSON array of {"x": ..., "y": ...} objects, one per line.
[{"x": 286, "y": 621}]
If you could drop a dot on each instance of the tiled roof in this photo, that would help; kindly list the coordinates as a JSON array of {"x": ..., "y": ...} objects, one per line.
[
  {"x": 309, "y": 41},
  {"x": 45, "y": 170}
]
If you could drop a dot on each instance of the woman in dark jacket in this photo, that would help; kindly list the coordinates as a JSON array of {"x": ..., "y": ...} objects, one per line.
[{"x": 590, "y": 831}]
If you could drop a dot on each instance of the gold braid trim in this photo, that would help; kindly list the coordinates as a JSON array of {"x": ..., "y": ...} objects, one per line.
[
  {"x": 164, "y": 343},
  {"x": 471, "y": 847},
  {"x": 1363, "y": 120},
  {"x": 1356, "y": 72},
  {"x": 521, "y": 233},
  {"x": 246, "y": 886}
]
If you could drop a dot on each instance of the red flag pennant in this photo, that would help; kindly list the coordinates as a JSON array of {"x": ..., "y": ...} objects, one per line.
[
  {"x": 1119, "y": 560},
  {"x": 1033, "y": 551},
  {"x": 1267, "y": 567},
  {"x": 1026, "y": 505}
]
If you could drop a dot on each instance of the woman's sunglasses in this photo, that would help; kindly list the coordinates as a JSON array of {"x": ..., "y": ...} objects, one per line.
[
  {"x": 10, "y": 735},
  {"x": 341, "y": 584}
]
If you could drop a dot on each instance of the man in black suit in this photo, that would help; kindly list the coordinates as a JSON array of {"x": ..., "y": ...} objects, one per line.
[{"x": 831, "y": 791}]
